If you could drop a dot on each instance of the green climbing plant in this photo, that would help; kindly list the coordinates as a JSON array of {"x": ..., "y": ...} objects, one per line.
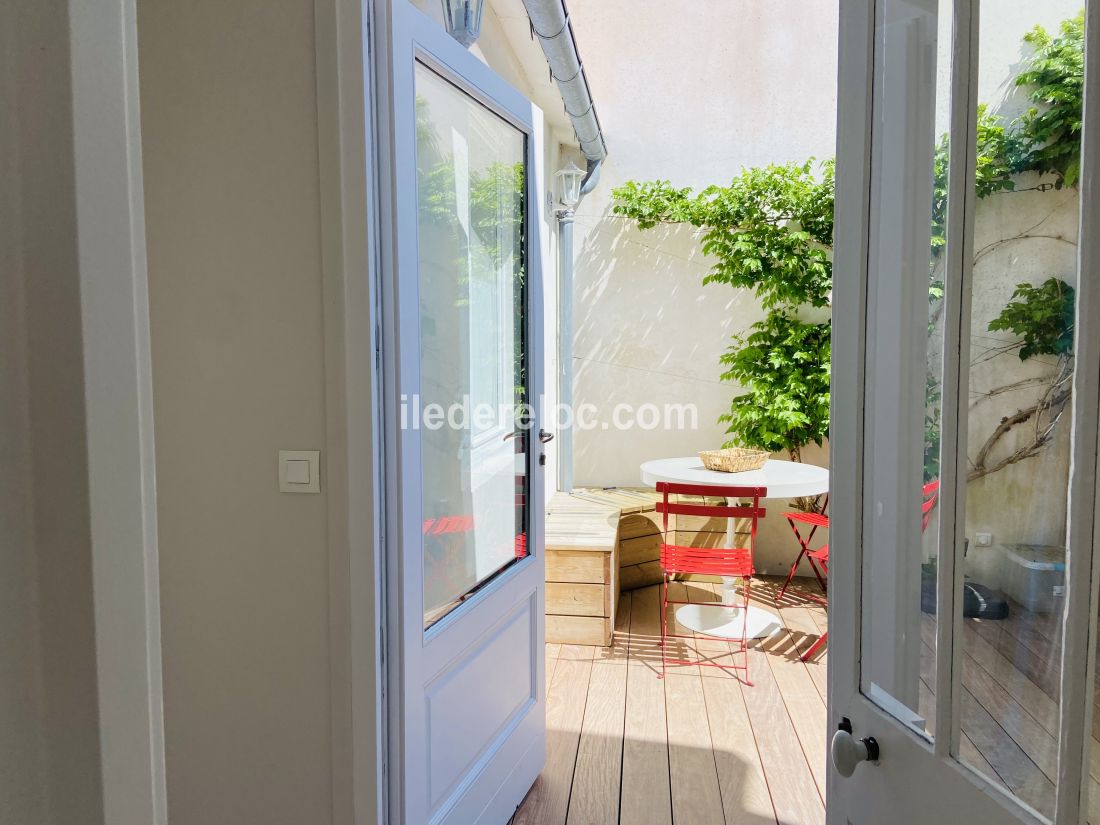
[
  {"x": 770, "y": 230},
  {"x": 1055, "y": 77},
  {"x": 1042, "y": 316},
  {"x": 784, "y": 366}
]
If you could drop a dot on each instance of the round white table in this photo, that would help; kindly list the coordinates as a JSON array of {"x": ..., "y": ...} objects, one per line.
[{"x": 784, "y": 479}]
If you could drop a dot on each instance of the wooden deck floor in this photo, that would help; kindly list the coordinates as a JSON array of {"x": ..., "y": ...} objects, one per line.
[
  {"x": 627, "y": 747},
  {"x": 700, "y": 747}
]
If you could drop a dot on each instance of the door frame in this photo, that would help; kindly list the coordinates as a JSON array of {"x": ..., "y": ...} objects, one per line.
[
  {"x": 110, "y": 219},
  {"x": 850, "y": 346},
  {"x": 350, "y": 260}
]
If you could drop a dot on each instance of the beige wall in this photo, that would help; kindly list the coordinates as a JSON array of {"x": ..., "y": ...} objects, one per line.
[
  {"x": 229, "y": 123},
  {"x": 49, "y": 746}
]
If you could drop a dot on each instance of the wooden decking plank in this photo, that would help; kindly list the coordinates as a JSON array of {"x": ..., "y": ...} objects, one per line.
[
  {"x": 1001, "y": 752},
  {"x": 582, "y": 653},
  {"x": 781, "y": 755},
  {"x": 547, "y": 803},
  {"x": 679, "y": 647},
  {"x": 696, "y": 796},
  {"x": 552, "y": 651},
  {"x": 1042, "y": 670},
  {"x": 597, "y": 778},
  {"x": 804, "y": 704},
  {"x": 745, "y": 796},
  {"x": 982, "y": 661},
  {"x": 646, "y": 797},
  {"x": 804, "y": 631},
  {"x": 1040, "y": 746},
  {"x": 1011, "y": 763}
]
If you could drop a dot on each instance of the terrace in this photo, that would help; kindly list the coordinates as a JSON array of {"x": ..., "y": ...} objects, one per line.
[{"x": 702, "y": 745}]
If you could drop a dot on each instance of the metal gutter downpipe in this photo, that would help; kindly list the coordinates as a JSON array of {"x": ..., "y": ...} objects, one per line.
[
  {"x": 565, "y": 218},
  {"x": 550, "y": 23},
  {"x": 565, "y": 347}
]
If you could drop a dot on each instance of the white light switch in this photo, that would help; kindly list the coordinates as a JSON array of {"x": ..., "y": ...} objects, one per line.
[{"x": 299, "y": 471}]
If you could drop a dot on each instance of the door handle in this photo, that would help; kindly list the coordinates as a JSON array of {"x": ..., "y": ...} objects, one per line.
[
  {"x": 545, "y": 436},
  {"x": 847, "y": 752}
]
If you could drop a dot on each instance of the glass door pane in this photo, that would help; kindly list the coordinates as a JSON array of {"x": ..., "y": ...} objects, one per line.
[
  {"x": 1020, "y": 377},
  {"x": 910, "y": 157},
  {"x": 471, "y": 197}
]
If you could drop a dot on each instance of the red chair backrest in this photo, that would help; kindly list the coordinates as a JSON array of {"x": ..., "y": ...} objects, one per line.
[
  {"x": 930, "y": 492},
  {"x": 677, "y": 508}
]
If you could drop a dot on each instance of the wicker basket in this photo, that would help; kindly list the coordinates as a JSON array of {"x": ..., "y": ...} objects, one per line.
[{"x": 734, "y": 459}]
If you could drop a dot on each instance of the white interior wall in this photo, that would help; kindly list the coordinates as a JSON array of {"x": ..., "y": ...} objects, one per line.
[
  {"x": 49, "y": 750},
  {"x": 22, "y": 763},
  {"x": 230, "y": 146}
]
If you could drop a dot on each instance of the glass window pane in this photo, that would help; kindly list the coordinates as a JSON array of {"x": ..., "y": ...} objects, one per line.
[
  {"x": 471, "y": 222},
  {"x": 904, "y": 372},
  {"x": 1020, "y": 375}
]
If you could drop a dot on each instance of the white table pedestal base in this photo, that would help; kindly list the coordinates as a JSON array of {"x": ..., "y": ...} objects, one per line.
[{"x": 726, "y": 621}]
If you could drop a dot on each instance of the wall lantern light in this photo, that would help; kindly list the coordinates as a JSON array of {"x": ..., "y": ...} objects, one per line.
[
  {"x": 463, "y": 19},
  {"x": 569, "y": 184}
]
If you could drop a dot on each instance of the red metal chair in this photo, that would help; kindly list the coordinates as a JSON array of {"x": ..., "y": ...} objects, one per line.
[
  {"x": 814, "y": 521},
  {"x": 930, "y": 493},
  {"x": 708, "y": 561}
]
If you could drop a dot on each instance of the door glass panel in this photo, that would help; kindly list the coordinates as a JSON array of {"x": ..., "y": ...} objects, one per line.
[
  {"x": 471, "y": 173},
  {"x": 904, "y": 372},
  {"x": 1020, "y": 376}
]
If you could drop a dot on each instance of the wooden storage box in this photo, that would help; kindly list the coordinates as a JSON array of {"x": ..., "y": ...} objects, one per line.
[{"x": 582, "y": 571}]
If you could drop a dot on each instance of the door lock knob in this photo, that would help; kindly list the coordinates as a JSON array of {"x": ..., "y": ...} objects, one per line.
[{"x": 847, "y": 751}]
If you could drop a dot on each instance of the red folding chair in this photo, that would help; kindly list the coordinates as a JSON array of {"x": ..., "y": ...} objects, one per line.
[
  {"x": 929, "y": 495},
  {"x": 707, "y": 561},
  {"x": 813, "y": 521}
]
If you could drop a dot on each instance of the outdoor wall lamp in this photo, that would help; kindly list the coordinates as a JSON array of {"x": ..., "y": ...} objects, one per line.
[
  {"x": 569, "y": 183},
  {"x": 463, "y": 19}
]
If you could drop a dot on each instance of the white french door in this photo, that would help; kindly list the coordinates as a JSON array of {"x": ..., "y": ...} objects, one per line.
[
  {"x": 941, "y": 714},
  {"x": 461, "y": 294}
]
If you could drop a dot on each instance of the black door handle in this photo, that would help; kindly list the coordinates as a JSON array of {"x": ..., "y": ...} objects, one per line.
[{"x": 545, "y": 436}]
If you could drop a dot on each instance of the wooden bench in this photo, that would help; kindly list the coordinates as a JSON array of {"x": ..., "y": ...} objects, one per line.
[
  {"x": 598, "y": 543},
  {"x": 582, "y": 575}
]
